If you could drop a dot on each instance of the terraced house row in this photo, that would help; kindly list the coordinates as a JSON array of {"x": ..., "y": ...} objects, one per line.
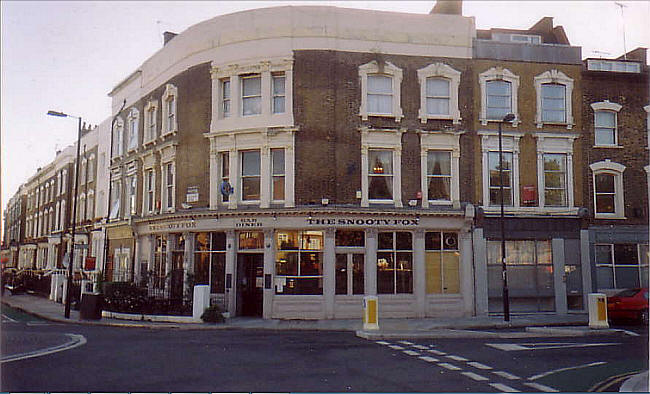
[{"x": 298, "y": 158}]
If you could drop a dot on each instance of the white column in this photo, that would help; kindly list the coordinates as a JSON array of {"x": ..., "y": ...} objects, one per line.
[
  {"x": 235, "y": 97},
  {"x": 481, "y": 276},
  {"x": 570, "y": 180},
  {"x": 329, "y": 272},
  {"x": 214, "y": 183},
  {"x": 455, "y": 178},
  {"x": 397, "y": 178},
  {"x": 559, "y": 278},
  {"x": 370, "y": 283},
  {"x": 235, "y": 179},
  {"x": 266, "y": 90},
  {"x": 424, "y": 187},
  {"x": 188, "y": 260},
  {"x": 231, "y": 257},
  {"x": 269, "y": 269},
  {"x": 585, "y": 266},
  {"x": 419, "y": 273},
  {"x": 290, "y": 174},
  {"x": 265, "y": 175},
  {"x": 466, "y": 271},
  {"x": 364, "y": 176}
]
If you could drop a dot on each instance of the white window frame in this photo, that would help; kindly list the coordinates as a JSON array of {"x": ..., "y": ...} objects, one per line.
[
  {"x": 169, "y": 118},
  {"x": 384, "y": 139},
  {"x": 150, "y": 121},
  {"x": 606, "y": 106},
  {"x": 564, "y": 173},
  {"x": 223, "y": 99},
  {"x": 389, "y": 70},
  {"x": 510, "y": 144},
  {"x": 241, "y": 176},
  {"x": 90, "y": 205},
  {"x": 441, "y": 71},
  {"x": 118, "y": 138},
  {"x": 242, "y": 78},
  {"x": 554, "y": 77},
  {"x": 503, "y": 74},
  {"x": 133, "y": 122},
  {"x": 274, "y": 78},
  {"x": 92, "y": 168},
  {"x": 556, "y": 143},
  {"x": 610, "y": 168},
  {"x": 149, "y": 187},
  {"x": 440, "y": 141},
  {"x": 274, "y": 175},
  {"x": 168, "y": 206}
]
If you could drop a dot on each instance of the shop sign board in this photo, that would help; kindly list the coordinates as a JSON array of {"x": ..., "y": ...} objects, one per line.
[
  {"x": 172, "y": 226},
  {"x": 373, "y": 222}
]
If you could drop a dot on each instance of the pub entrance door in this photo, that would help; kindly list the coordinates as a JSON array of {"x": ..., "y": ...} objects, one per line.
[{"x": 250, "y": 284}]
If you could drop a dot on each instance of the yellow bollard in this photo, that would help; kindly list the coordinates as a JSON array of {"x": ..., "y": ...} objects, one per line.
[
  {"x": 598, "y": 310},
  {"x": 370, "y": 313}
]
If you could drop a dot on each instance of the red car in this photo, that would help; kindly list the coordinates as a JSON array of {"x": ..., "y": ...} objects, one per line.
[{"x": 629, "y": 304}]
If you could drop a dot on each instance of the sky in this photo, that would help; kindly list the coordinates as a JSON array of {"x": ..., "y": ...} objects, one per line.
[{"x": 67, "y": 55}]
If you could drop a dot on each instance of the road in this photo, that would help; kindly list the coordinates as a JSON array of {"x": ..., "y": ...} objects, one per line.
[{"x": 142, "y": 360}]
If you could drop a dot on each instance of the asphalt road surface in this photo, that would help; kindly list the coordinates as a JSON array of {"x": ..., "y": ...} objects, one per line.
[{"x": 78, "y": 358}]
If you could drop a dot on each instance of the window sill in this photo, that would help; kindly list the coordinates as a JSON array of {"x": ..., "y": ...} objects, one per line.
[
  {"x": 608, "y": 146},
  {"x": 514, "y": 123},
  {"x": 383, "y": 202},
  {"x": 440, "y": 202},
  {"x": 609, "y": 217}
]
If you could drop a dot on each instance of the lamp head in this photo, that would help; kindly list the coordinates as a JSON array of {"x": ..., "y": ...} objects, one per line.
[
  {"x": 56, "y": 113},
  {"x": 509, "y": 118}
]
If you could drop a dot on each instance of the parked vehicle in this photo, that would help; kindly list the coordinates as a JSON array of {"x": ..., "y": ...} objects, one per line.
[{"x": 631, "y": 304}]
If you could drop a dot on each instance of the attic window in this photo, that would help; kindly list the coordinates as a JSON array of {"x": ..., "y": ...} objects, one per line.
[{"x": 520, "y": 38}]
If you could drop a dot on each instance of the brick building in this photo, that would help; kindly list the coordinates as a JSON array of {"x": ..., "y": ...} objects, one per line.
[{"x": 615, "y": 102}]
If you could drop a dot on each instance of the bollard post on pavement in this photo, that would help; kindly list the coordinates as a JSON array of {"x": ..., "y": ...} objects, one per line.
[
  {"x": 598, "y": 310},
  {"x": 370, "y": 313}
]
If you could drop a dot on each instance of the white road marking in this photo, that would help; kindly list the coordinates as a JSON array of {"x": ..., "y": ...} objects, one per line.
[
  {"x": 509, "y": 347},
  {"x": 506, "y": 375},
  {"x": 429, "y": 359},
  {"x": 38, "y": 324},
  {"x": 450, "y": 367},
  {"x": 382, "y": 342},
  {"x": 479, "y": 365},
  {"x": 457, "y": 358},
  {"x": 541, "y": 387},
  {"x": 411, "y": 353},
  {"x": 632, "y": 333},
  {"x": 541, "y": 375},
  {"x": 503, "y": 388},
  {"x": 406, "y": 343},
  {"x": 8, "y": 318},
  {"x": 421, "y": 347},
  {"x": 437, "y": 352},
  {"x": 75, "y": 341},
  {"x": 395, "y": 347},
  {"x": 474, "y": 376}
]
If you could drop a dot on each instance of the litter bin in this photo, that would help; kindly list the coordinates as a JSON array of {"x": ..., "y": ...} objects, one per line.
[{"x": 91, "y": 306}]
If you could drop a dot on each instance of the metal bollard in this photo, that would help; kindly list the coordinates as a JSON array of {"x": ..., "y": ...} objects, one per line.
[{"x": 598, "y": 310}]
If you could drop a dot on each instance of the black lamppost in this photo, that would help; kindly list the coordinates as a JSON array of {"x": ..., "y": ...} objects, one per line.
[
  {"x": 74, "y": 209},
  {"x": 504, "y": 275}
]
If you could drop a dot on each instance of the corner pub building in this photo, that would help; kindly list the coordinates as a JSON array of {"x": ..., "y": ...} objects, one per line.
[{"x": 298, "y": 158}]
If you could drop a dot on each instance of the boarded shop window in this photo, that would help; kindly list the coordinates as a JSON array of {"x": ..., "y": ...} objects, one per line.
[
  {"x": 442, "y": 263},
  {"x": 395, "y": 263},
  {"x": 299, "y": 262}
]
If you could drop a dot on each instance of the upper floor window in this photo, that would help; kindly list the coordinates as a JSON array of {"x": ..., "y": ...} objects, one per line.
[
  {"x": 613, "y": 65},
  {"x": 278, "y": 93},
  {"x": 82, "y": 171},
  {"x": 116, "y": 195},
  {"x": 150, "y": 124},
  {"x": 250, "y": 175},
  {"x": 91, "y": 168},
  {"x": 439, "y": 175},
  {"x": 131, "y": 184},
  {"x": 118, "y": 138},
  {"x": 169, "y": 186},
  {"x": 607, "y": 180},
  {"x": 500, "y": 175},
  {"x": 606, "y": 123},
  {"x": 225, "y": 97},
  {"x": 149, "y": 185},
  {"x": 251, "y": 94},
  {"x": 380, "y": 174},
  {"x": 499, "y": 89},
  {"x": 64, "y": 181},
  {"x": 555, "y": 179},
  {"x": 381, "y": 169},
  {"x": 439, "y": 93},
  {"x": 554, "y": 91},
  {"x": 169, "y": 115},
  {"x": 495, "y": 175},
  {"x": 380, "y": 90},
  {"x": 278, "y": 173},
  {"x": 133, "y": 121},
  {"x": 224, "y": 172}
]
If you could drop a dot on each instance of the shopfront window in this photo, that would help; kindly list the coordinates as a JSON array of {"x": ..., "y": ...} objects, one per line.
[
  {"x": 299, "y": 262},
  {"x": 350, "y": 238},
  {"x": 210, "y": 260},
  {"x": 251, "y": 240},
  {"x": 442, "y": 263},
  {"x": 350, "y": 259},
  {"x": 621, "y": 266},
  {"x": 529, "y": 266},
  {"x": 159, "y": 271},
  {"x": 395, "y": 263}
]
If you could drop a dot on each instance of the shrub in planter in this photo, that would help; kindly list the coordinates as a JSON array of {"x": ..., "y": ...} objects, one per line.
[{"x": 213, "y": 314}]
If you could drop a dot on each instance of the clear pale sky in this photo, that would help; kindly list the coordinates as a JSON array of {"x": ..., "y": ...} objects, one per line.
[{"x": 67, "y": 56}]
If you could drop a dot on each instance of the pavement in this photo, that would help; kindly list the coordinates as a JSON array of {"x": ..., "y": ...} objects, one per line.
[{"x": 519, "y": 326}]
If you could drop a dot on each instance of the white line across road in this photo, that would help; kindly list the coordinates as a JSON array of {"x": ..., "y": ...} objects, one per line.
[
  {"x": 541, "y": 375},
  {"x": 429, "y": 359},
  {"x": 411, "y": 353},
  {"x": 474, "y": 376},
  {"x": 478, "y": 365},
  {"x": 506, "y": 375},
  {"x": 504, "y": 388},
  {"x": 510, "y": 347},
  {"x": 450, "y": 367},
  {"x": 7, "y": 318},
  {"x": 76, "y": 340},
  {"x": 541, "y": 387},
  {"x": 457, "y": 358}
]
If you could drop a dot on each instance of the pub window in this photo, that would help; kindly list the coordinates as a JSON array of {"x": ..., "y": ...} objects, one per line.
[
  {"x": 251, "y": 240},
  {"x": 299, "y": 262},
  {"x": 210, "y": 260},
  {"x": 350, "y": 238},
  {"x": 395, "y": 263},
  {"x": 442, "y": 262},
  {"x": 158, "y": 273}
]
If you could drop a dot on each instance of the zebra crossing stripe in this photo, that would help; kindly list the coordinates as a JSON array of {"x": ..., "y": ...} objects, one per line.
[
  {"x": 429, "y": 359},
  {"x": 437, "y": 352},
  {"x": 506, "y": 375},
  {"x": 382, "y": 343},
  {"x": 457, "y": 358},
  {"x": 406, "y": 343},
  {"x": 504, "y": 388},
  {"x": 450, "y": 367},
  {"x": 474, "y": 376},
  {"x": 478, "y": 365},
  {"x": 541, "y": 387},
  {"x": 421, "y": 347},
  {"x": 411, "y": 353},
  {"x": 395, "y": 347}
]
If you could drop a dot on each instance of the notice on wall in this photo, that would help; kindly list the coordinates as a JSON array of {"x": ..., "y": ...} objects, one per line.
[{"x": 192, "y": 194}]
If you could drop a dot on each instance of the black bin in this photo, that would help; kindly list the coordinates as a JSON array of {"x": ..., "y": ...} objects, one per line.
[{"x": 91, "y": 306}]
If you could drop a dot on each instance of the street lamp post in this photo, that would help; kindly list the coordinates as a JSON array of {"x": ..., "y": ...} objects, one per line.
[
  {"x": 74, "y": 208},
  {"x": 504, "y": 275}
]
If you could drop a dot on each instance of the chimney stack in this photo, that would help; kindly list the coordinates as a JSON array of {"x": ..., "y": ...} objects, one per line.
[
  {"x": 449, "y": 7},
  {"x": 167, "y": 36}
]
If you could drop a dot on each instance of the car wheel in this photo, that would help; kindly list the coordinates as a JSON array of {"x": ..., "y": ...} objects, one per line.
[{"x": 643, "y": 316}]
